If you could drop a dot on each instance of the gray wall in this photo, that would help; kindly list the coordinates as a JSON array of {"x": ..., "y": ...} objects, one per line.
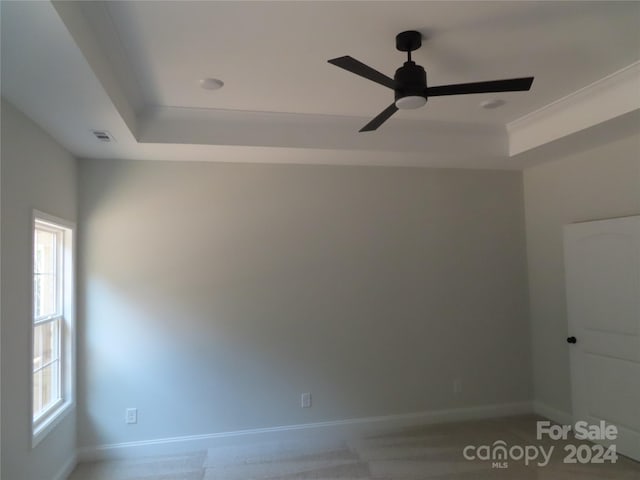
[
  {"x": 599, "y": 183},
  {"x": 214, "y": 294},
  {"x": 36, "y": 173}
]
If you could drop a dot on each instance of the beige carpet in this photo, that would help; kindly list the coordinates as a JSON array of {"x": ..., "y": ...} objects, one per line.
[{"x": 420, "y": 453}]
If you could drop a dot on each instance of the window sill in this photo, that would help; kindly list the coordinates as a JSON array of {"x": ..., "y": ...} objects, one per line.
[{"x": 55, "y": 417}]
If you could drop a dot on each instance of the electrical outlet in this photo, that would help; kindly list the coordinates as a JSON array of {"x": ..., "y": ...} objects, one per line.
[
  {"x": 457, "y": 386},
  {"x": 305, "y": 400},
  {"x": 131, "y": 415}
]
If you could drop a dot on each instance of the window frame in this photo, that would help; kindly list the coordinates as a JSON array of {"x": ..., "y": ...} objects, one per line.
[{"x": 65, "y": 314}]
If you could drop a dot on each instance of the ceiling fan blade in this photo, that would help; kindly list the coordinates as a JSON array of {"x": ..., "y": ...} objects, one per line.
[
  {"x": 380, "y": 119},
  {"x": 509, "y": 85},
  {"x": 354, "y": 66}
]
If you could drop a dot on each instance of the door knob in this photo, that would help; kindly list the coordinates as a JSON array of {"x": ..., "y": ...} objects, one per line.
[{"x": 571, "y": 340}]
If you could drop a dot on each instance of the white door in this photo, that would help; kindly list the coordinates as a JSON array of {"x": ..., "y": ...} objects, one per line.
[{"x": 602, "y": 262}]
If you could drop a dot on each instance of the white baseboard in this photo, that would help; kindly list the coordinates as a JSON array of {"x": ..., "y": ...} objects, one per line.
[
  {"x": 336, "y": 431},
  {"x": 558, "y": 416},
  {"x": 67, "y": 468}
]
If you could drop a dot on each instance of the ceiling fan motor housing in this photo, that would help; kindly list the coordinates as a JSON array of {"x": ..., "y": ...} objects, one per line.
[{"x": 411, "y": 81}]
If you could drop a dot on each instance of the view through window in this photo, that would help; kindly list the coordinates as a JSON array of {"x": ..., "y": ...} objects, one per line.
[{"x": 51, "y": 300}]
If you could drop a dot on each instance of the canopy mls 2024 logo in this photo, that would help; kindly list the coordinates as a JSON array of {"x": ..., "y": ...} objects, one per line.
[{"x": 500, "y": 453}]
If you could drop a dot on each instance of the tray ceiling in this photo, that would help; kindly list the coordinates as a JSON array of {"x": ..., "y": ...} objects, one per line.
[{"x": 133, "y": 68}]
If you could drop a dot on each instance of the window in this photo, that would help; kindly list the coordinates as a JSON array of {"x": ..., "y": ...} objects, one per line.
[{"x": 52, "y": 371}]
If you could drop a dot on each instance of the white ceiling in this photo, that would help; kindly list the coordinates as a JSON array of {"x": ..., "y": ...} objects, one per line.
[
  {"x": 273, "y": 56},
  {"x": 133, "y": 68}
]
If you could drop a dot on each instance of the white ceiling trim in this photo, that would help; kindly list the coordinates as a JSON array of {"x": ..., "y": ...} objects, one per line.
[
  {"x": 111, "y": 78},
  {"x": 603, "y": 100},
  {"x": 608, "y": 98},
  {"x": 292, "y": 130}
]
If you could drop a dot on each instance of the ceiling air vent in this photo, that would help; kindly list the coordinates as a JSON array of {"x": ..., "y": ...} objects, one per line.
[{"x": 103, "y": 136}]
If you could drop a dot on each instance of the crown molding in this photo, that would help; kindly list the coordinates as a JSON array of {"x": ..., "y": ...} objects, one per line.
[{"x": 603, "y": 100}]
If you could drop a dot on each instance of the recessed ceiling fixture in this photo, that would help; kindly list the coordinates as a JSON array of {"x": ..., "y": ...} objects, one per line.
[
  {"x": 410, "y": 81},
  {"x": 211, "y": 83},
  {"x": 493, "y": 103}
]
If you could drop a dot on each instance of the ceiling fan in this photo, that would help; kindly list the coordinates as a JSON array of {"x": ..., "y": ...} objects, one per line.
[{"x": 410, "y": 81}]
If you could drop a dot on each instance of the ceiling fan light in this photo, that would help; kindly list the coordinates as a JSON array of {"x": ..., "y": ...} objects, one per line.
[{"x": 411, "y": 102}]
